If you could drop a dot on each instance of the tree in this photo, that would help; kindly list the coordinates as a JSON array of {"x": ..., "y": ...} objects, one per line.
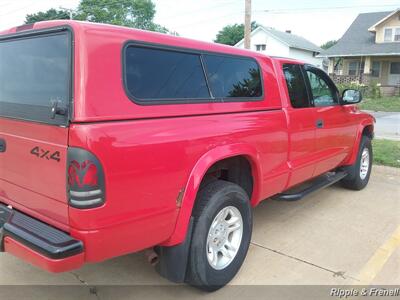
[
  {"x": 131, "y": 13},
  {"x": 232, "y": 34},
  {"x": 249, "y": 87},
  {"x": 328, "y": 44},
  {"x": 51, "y": 14}
]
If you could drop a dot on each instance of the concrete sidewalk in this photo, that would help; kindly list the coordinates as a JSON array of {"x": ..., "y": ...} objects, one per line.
[
  {"x": 333, "y": 237},
  {"x": 387, "y": 125}
]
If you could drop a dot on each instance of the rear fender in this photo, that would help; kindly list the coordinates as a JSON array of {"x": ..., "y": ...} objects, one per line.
[{"x": 197, "y": 175}]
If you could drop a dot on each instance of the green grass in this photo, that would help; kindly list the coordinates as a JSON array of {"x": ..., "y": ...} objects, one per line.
[
  {"x": 381, "y": 104},
  {"x": 386, "y": 152}
]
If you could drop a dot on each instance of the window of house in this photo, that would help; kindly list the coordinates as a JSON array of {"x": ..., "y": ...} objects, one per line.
[
  {"x": 397, "y": 34},
  {"x": 353, "y": 68},
  {"x": 392, "y": 34},
  {"x": 375, "y": 68},
  {"x": 261, "y": 47},
  {"x": 388, "y": 35},
  {"x": 233, "y": 77},
  {"x": 296, "y": 85},
  {"x": 395, "y": 68}
]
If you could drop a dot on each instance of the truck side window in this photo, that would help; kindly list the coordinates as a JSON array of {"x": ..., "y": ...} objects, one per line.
[
  {"x": 233, "y": 77},
  {"x": 296, "y": 85},
  {"x": 323, "y": 93},
  {"x": 158, "y": 74}
]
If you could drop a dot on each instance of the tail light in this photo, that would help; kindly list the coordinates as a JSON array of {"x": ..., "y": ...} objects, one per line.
[{"x": 85, "y": 186}]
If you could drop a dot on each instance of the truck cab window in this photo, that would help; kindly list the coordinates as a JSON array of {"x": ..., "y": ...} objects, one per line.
[
  {"x": 296, "y": 85},
  {"x": 322, "y": 91}
]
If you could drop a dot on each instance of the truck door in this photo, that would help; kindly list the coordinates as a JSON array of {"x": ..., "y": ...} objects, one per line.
[
  {"x": 334, "y": 136},
  {"x": 301, "y": 125}
]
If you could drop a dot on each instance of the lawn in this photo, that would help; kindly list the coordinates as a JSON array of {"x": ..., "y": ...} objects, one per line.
[
  {"x": 381, "y": 104},
  {"x": 386, "y": 152}
]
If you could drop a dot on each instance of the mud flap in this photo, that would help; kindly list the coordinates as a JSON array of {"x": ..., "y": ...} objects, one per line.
[{"x": 173, "y": 260}]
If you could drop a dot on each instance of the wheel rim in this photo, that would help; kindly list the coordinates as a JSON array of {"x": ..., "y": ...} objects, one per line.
[
  {"x": 224, "y": 237},
  {"x": 364, "y": 164}
]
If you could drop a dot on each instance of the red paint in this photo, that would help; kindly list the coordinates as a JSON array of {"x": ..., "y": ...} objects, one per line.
[
  {"x": 150, "y": 154},
  {"x": 52, "y": 265}
]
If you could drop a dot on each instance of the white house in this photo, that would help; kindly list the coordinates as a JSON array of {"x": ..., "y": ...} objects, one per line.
[{"x": 273, "y": 42}]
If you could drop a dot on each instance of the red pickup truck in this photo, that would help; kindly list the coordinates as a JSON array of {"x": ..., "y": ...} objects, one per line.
[{"x": 114, "y": 140}]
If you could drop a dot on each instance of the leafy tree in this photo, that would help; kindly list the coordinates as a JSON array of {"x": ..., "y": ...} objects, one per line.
[
  {"x": 131, "y": 13},
  {"x": 248, "y": 87},
  {"x": 51, "y": 14},
  {"x": 232, "y": 34},
  {"x": 328, "y": 44}
]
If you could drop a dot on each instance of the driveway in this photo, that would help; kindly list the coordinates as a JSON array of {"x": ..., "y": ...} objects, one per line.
[
  {"x": 334, "y": 237},
  {"x": 387, "y": 125}
]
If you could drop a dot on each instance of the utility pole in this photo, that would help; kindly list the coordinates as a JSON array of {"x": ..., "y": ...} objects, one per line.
[{"x": 247, "y": 23}]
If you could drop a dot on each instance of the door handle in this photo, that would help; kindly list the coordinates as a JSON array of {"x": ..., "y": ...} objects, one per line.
[
  {"x": 319, "y": 123},
  {"x": 2, "y": 145}
]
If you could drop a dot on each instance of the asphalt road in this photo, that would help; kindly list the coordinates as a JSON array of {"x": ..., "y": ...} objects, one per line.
[
  {"x": 387, "y": 125},
  {"x": 334, "y": 237}
]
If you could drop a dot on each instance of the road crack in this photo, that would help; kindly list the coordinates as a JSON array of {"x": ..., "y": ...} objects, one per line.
[
  {"x": 340, "y": 274},
  {"x": 92, "y": 289}
]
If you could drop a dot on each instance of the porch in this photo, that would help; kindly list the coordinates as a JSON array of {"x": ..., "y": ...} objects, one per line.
[{"x": 382, "y": 70}]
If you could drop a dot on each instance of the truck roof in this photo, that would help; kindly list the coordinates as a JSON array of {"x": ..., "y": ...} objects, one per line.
[{"x": 141, "y": 35}]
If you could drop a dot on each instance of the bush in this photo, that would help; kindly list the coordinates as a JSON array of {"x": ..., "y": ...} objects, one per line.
[
  {"x": 369, "y": 91},
  {"x": 374, "y": 90},
  {"x": 352, "y": 86}
]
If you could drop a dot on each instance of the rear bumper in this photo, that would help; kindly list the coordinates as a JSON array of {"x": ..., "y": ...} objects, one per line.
[{"x": 38, "y": 243}]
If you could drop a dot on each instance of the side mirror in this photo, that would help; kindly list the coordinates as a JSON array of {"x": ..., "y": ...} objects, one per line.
[{"x": 351, "y": 97}]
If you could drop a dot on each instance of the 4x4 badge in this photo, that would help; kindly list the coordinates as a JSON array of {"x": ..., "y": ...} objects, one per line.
[{"x": 42, "y": 153}]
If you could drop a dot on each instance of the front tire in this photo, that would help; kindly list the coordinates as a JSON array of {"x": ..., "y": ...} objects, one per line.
[
  {"x": 221, "y": 235},
  {"x": 359, "y": 173}
]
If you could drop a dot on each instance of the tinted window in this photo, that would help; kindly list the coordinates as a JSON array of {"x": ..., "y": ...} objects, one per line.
[
  {"x": 233, "y": 77},
  {"x": 34, "y": 73},
  {"x": 296, "y": 85},
  {"x": 323, "y": 93},
  {"x": 155, "y": 74}
]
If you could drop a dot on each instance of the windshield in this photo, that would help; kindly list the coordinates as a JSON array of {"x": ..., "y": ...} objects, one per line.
[{"x": 35, "y": 77}]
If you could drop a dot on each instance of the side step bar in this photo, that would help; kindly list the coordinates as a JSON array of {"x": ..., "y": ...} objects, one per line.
[{"x": 314, "y": 185}]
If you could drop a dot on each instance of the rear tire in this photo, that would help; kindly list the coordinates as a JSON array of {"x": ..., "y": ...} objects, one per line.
[
  {"x": 359, "y": 173},
  {"x": 221, "y": 235}
]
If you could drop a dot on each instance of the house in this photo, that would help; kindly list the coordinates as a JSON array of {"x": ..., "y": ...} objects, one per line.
[
  {"x": 285, "y": 44},
  {"x": 369, "y": 52}
]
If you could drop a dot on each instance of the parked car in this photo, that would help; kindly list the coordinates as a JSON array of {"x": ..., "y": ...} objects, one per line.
[{"x": 114, "y": 140}]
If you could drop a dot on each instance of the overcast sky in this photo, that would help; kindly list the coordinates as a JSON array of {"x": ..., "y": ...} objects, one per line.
[{"x": 318, "y": 21}]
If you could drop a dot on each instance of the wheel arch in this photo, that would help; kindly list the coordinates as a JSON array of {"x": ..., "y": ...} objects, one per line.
[
  {"x": 365, "y": 128},
  {"x": 199, "y": 172}
]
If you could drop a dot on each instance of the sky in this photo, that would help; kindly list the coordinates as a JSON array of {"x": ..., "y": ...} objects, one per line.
[{"x": 317, "y": 21}]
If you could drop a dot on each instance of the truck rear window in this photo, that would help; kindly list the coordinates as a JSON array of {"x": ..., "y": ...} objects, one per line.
[{"x": 35, "y": 76}]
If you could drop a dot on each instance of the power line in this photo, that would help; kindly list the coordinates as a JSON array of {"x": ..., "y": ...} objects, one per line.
[
  {"x": 197, "y": 10},
  {"x": 5, "y": 4},
  {"x": 203, "y": 20},
  {"x": 288, "y": 10},
  {"x": 17, "y": 9}
]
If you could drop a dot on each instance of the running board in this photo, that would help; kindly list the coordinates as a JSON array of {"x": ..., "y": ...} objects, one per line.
[{"x": 316, "y": 184}]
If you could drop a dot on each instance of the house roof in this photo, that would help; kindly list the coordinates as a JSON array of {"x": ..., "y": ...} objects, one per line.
[
  {"x": 373, "y": 27},
  {"x": 291, "y": 40},
  {"x": 358, "y": 41}
]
